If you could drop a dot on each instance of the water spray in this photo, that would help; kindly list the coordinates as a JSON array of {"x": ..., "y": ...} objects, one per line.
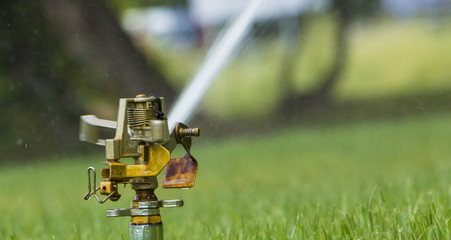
[
  {"x": 217, "y": 57},
  {"x": 142, "y": 134}
]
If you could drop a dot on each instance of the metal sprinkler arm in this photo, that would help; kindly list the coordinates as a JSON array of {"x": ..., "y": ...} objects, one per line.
[{"x": 142, "y": 134}]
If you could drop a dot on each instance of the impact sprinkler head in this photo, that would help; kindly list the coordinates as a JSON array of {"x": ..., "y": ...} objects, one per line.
[{"x": 142, "y": 133}]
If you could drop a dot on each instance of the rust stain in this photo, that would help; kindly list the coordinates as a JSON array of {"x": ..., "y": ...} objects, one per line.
[{"x": 180, "y": 172}]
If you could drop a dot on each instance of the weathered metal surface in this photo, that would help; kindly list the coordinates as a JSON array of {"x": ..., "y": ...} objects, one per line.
[
  {"x": 180, "y": 172},
  {"x": 156, "y": 158},
  {"x": 147, "y": 208},
  {"x": 146, "y": 127},
  {"x": 107, "y": 187},
  {"x": 90, "y": 127},
  {"x": 122, "y": 212},
  {"x": 140, "y": 220},
  {"x": 161, "y": 203},
  {"x": 146, "y": 232}
]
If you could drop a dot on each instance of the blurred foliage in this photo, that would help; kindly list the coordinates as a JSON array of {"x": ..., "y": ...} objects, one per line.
[
  {"x": 388, "y": 59},
  {"x": 120, "y": 5},
  {"x": 36, "y": 77},
  {"x": 360, "y": 8}
]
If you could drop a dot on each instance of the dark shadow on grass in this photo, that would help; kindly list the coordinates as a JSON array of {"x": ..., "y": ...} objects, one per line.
[{"x": 308, "y": 111}]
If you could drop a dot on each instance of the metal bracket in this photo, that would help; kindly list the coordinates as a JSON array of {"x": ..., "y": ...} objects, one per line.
[
  {"x": 145, "y": 208},
  {"x": 162, "y": 204},
  {"x": 92, "y": 191}
]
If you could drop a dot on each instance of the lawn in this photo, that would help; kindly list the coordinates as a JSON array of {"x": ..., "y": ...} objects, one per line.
[{"x": 379, "y": 179}]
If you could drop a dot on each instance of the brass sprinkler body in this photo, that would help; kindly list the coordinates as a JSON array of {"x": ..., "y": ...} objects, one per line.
[{"x": 142, "y": 134}]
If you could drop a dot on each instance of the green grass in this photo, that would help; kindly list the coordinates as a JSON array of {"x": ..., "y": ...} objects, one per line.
[
  {"x": 385, "y": 179},
  {"x": 390, "y": 59}
]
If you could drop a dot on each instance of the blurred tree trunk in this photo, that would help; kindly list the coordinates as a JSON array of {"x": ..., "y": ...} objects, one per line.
[
  {"x": 294, "y": 102},
  {"x": 341, "y": 8},
  {"x": 292, "y": 29},
  {"x": 91, "y": 32}
]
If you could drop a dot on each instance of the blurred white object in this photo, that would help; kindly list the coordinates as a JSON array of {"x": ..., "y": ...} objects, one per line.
[
  {"x": 209, "y": 13},
  {"x": 412, "y": 8}
]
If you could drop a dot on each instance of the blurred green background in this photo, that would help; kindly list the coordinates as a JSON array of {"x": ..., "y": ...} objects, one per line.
[{"x": 332, "y": 121}]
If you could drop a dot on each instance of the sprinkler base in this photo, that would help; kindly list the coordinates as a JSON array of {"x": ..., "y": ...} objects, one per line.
[{"x": 146, "y": 232}]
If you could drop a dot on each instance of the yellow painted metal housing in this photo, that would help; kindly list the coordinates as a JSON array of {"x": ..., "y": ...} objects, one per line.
[{"x": 157, "y": 157}]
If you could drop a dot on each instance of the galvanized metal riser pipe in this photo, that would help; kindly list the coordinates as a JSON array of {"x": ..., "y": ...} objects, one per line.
[{"x": 146, "y": 232}]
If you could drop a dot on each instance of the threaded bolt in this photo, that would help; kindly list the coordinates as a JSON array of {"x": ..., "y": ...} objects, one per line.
[{"x": 190, "y": 132}]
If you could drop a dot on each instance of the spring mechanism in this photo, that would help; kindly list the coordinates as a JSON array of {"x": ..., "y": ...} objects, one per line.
[{"x": 140, "y": 117}]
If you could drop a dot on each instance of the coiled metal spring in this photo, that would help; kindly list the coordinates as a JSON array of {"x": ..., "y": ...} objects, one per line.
[{"x": 140, "y": 117}]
